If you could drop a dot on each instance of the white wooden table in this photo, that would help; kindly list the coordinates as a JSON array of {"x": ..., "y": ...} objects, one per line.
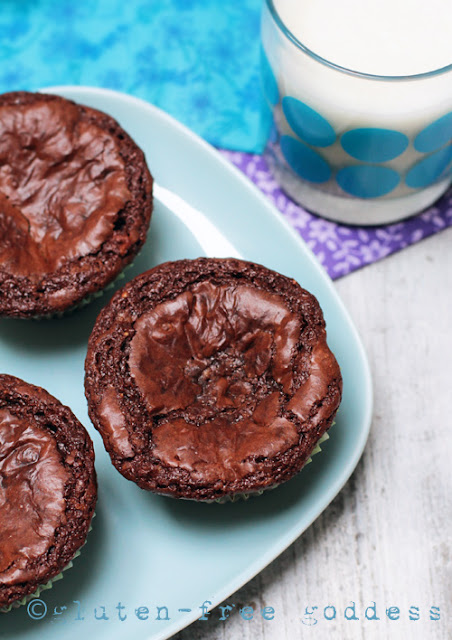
[{"x": 387, "y": 536}]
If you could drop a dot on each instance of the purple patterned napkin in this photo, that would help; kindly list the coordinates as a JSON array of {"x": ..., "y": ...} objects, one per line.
[{"x": 340, "y": 248}]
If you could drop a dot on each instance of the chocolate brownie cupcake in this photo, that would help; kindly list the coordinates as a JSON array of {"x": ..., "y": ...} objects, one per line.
[
  {"x": 210, "y": 378},
  {"x": 47, "y": 489},
  {"x": 75, "y": 203}
]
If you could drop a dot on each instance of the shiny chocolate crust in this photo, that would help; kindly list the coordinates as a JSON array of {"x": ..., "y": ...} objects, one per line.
[
  {"x": 48, "y": 487},
  {"x": 75, "y": 203},
  {"x": 211, "y": 377}
]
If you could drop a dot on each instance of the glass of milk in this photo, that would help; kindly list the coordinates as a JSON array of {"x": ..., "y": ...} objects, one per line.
[{"x": 361, "y": 95}]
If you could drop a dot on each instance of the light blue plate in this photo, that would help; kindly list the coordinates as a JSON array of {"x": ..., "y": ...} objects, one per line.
[{"x": 147, "y": 550}]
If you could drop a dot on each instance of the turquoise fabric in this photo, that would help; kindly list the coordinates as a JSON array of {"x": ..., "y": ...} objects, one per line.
[{"x": 196, "y": 59}]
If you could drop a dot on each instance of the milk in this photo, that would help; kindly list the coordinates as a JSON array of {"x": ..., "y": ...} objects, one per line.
[
  {"x": 411, "y": 115},
  {"x": 382, "y": 37}
]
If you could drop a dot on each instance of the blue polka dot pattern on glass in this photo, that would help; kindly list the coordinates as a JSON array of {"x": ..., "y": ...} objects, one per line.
[
  {"x": 429, "y": 169},
  {"x": 435, "y": 136},
  {"x": 309, "y": 125},
  {"x": 269, "y": 83},
  {"x": 368, "y": 181},
  {"x": 373, "y": 144},
  {"x": 306, "y": 162}
]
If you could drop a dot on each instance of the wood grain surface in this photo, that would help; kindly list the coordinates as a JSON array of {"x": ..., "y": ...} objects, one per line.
[{"x": 387, "y": 536}]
